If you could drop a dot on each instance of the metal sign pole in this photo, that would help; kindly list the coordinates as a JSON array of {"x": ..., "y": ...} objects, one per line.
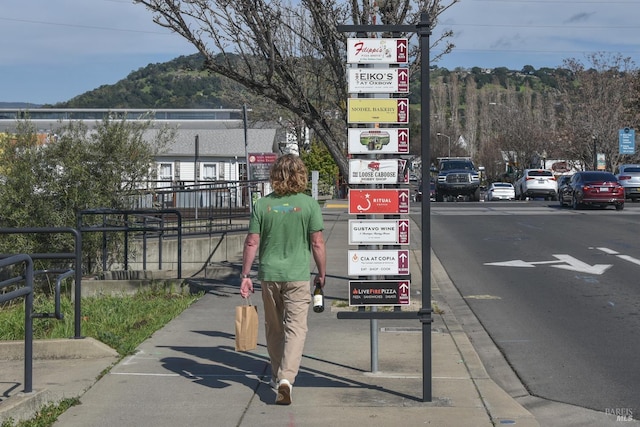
[{"x": 423, "y": 29}]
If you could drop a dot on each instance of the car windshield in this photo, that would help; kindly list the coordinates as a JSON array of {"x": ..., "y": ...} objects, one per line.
[
  {"x": 540, "y": 173},
  {"x": 456, "y": 165},
  {"x": 598, "y": 176}
]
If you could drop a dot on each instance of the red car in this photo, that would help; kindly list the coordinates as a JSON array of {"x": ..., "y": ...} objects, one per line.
[{"x": 595, "y": 188}]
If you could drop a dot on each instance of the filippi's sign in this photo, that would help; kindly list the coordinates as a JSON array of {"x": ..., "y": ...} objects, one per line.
[{"x": 377, "y": 51}]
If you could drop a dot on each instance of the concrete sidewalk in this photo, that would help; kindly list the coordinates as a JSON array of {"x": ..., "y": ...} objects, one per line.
[{"x": 188, "y": 373}]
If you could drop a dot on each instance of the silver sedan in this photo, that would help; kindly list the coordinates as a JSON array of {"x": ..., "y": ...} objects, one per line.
[{"x": 629, "y": 177}]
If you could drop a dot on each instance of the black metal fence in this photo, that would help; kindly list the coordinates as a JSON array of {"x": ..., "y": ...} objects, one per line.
[{"x": 26, "y": 291}]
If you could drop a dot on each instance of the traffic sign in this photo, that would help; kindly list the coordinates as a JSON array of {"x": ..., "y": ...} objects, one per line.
[
  {"x": 378, "y": 110},
  {"x": 376, "y": 80},
  {"x": 374, "y": 231},
  {"x": 378, "y": 140},
  {"x": 627, "y": 141},
  {"x": 367, "y": 262},
  {"x": 379, "y": 201},
  {"x": 378, "y": 51},
  {"x": 381, "y": 292}
]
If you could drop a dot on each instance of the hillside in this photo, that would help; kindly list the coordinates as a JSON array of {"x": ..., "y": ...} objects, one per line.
[{"x": 183, "y": 83}]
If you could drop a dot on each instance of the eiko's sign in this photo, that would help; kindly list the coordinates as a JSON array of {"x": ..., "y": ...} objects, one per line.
[
  {"x": 378, "y": 201},
  {"x": 378, "y": 110},
  {"x": 363, "y": 262},
  {"x": 381, "y": 292},
  {"x": 378, "y": 51},
  {"x": 375, "y": 80},
  {"x": 379, "y": 231},
  {"x": 378, "y": 140},
  {"x": 370, "y": 171}
]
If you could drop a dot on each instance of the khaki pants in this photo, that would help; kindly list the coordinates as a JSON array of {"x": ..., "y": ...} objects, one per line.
[{"x": 286, "y": 305}]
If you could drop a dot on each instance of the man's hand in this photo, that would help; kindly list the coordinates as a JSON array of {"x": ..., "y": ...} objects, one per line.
[{"x": 246, "y": 287}]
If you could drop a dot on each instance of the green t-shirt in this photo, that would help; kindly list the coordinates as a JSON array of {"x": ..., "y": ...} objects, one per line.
[{"x": 284, "y": 224}]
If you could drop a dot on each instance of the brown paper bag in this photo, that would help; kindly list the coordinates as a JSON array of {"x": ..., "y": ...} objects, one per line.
[{"x": 246, "y": 326}]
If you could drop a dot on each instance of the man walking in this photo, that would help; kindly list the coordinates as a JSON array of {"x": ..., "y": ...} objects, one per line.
[{"x": 284, "y": 231}]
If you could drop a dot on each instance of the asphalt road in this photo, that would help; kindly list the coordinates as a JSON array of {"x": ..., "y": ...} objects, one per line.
[{"x": 557, "y": 290}]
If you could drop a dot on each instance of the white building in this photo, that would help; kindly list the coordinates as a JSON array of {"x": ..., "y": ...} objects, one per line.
[{"x": 210, "y": 144}]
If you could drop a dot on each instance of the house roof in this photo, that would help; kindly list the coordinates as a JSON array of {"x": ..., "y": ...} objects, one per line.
[{"x": 219, "y": 141}]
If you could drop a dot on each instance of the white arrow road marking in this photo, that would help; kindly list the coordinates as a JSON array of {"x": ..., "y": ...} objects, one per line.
[
  {"x": 577, "y": 265},
  {"x": 571, "y": 263}
]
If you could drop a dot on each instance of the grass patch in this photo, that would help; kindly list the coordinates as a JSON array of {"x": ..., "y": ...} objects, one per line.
[{"x": 122, "y": 322}]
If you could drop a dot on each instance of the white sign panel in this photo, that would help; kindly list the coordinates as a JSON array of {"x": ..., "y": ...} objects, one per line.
[
  {"x": 376, "y": 171},
  {"x": 378, "y": 51},
  {"x": 378, "y": 140},
  {"x": 373, "y": 262},
  {"x": 371, "y": 231},
  {"x": 376, "y": 80}
]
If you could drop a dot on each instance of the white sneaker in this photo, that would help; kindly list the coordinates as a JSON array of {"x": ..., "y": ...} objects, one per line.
[
  {"x": 273, "y": 383},
  {"x": 284, "y": 393}
]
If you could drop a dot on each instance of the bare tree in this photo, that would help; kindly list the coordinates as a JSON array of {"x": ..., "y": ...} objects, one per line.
[
  {"x": 593, "y": 107},
  {"x": 289, "y": 51}
]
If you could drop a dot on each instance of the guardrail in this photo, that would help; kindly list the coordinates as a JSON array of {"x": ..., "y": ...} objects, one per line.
[{"x": 27, "y": 292}]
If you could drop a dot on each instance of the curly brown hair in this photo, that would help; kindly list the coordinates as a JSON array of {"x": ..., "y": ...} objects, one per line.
[{"x": 288, "y": 175}]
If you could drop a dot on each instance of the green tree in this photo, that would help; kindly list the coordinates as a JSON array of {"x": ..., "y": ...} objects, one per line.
[
  {"x": 318, "y": 158},
  {"x": 48, "y": 181}
]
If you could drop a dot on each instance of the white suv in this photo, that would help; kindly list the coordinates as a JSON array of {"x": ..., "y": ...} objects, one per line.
[{"x": 537, "y": 183}]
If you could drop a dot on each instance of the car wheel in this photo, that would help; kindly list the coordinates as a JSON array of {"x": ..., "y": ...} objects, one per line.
[
  {"x": 439, "y": 197},
  {"x": 619, "y": 206},
  {"x": 574, "y": 203},
  {"x": 476, "y": 195},
  {"x": 554, "y": 197}
]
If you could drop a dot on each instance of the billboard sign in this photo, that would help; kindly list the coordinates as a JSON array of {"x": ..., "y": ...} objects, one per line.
[
  {"x": 375, "y": 80},
  {"x": 627, "y": 141},
  {"x": 378, "y": 140},
  {"x": 377, "y": 51},
  {"x": 381, "y": 292},
  {"x": 378, "y": 110},
  {"x": 379, "y": 201},
  {"x": 377, "y": 231},
  {"x": 371, "y": 171},
  {"x": 260, "y": 165},
  {"x": 367, "y": 262}
]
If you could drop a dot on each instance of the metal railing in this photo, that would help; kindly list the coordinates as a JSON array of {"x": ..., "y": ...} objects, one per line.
[
  {"x": 75, "y": 256},
  {"x": 25, "y": 291}
]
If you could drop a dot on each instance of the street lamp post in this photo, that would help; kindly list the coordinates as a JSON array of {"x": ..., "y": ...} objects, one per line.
[{"x": 448, "y": 139}]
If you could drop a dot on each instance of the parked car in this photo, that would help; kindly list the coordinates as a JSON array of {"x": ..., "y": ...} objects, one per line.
[
  {"x": 537, "y": 183},
  {"x": 595, "y": 188},
  {"x": 432, "y": 192},
  {"x": 500, "y": 191},
  {"x": 629, "y": 177},
  {"x": 563, "y": 181}
]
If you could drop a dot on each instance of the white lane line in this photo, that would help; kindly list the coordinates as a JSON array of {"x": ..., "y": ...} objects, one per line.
[
  {"x": 624, "y": 257},
  {"x": 630, "y": 259},
  {"x": 608, "y": 251}
]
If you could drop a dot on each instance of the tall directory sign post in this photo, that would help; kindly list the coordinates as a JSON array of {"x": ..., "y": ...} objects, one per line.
[{"x": 389, "y": 111}]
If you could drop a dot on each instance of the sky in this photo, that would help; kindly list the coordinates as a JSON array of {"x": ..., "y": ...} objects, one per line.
[{"x": 52, "y": 51}]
